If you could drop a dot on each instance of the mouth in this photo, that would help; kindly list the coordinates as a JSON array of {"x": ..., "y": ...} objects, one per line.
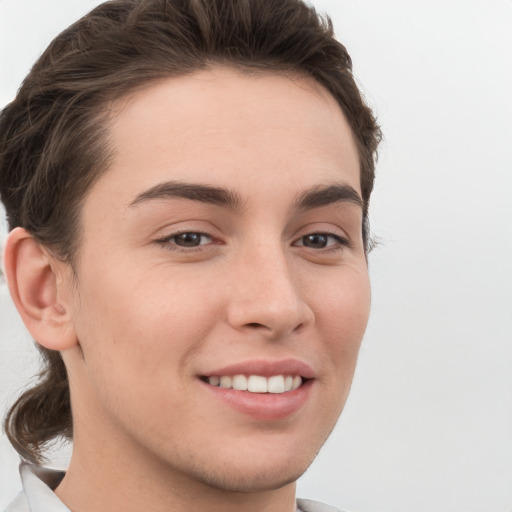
[
  {"x": 274, "y": 384},
  {"x": 262, "y": 390}
]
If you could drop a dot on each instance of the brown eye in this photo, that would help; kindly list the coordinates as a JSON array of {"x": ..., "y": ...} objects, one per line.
[
  {"x": 315, "y": 241},
  {"x": 190, "y": 239},
  {"x": 321, "y": 241}
]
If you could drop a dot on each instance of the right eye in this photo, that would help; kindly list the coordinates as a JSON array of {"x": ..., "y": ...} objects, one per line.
[
  {"x": 190, "y": 239},
  {"x": 185, "y": 240}
]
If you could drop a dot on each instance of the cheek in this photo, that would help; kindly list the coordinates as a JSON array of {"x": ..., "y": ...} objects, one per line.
[
  {"x": 144, "y": 323},
  {"x": 347, "y": 298},
  {"x": 135, "y": 346},
  {"x": 342, "y": 315}
]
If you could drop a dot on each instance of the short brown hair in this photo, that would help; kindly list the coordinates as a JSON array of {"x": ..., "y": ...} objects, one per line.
[{"x": 52, "y": 136}]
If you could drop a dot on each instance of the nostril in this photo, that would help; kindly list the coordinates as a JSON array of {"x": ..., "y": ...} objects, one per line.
[
  {"x": 299, "y": 327},
  {"x": 255, "y": 324}
]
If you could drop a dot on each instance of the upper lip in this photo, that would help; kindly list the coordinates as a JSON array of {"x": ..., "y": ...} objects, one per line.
[{"x": 266, "y": 368}]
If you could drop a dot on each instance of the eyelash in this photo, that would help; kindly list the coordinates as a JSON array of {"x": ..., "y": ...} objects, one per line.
[
  {"x": 341, "y": 242},
  {"x": 167, "y": 242}
]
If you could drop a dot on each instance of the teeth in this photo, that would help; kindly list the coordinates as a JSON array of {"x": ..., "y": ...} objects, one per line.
[
  {"x": 297, "y": 381},
  {"x": 226, "y": 382},
  {"x": 240, "y": 382},
  {"x": 257, "y": 383},
  {"x": 214, "y": 381},
  {"x": 276, "y": 384}
]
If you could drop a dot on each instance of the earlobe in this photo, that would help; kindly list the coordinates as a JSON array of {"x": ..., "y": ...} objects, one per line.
[{"x": 36, "y": 288}]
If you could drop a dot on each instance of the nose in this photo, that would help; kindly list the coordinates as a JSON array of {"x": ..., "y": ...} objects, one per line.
[{"x": 266, "y": 295}]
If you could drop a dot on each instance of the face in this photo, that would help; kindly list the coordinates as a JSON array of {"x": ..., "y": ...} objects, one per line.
[{"x": 222, "y": 289}]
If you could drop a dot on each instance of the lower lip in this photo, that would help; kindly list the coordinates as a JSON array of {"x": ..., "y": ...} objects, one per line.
[{"x": 264, "y": 406}]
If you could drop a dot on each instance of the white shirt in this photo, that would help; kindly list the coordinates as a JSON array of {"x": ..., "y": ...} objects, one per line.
[{"x": 38, "y": 496}]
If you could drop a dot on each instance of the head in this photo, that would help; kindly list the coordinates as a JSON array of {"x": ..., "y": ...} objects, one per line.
[{"x": 87, "y": 126}]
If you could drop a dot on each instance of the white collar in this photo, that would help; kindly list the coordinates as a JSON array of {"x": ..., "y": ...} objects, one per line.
[{"x": 38, "y": 483}]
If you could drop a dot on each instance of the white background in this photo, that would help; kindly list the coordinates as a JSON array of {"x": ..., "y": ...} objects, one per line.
[{"x": 428, "y": 426}]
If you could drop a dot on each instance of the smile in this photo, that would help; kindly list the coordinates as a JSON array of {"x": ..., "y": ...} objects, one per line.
[{"x": 257, "y": 383}]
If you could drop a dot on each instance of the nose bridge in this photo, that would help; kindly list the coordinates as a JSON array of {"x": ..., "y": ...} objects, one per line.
[{"x": 267, "y": 294}]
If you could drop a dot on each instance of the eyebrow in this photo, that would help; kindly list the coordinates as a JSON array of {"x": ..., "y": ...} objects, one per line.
[
  {"x": 192, "y": 191},
  {"x": 316, "y": 197},
  {"x": 326, "y": 195}
]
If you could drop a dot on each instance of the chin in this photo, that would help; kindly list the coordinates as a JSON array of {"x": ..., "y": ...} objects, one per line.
[
  {"x": 252, "y": 473},
  {"x": 251, "y": 480}
]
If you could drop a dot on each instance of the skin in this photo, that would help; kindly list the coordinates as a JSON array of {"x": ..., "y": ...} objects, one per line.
[{"x": 145, "y": 318}]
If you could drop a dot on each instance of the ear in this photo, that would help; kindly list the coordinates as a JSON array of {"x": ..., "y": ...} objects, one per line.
[{"x": 37, "y": 283}]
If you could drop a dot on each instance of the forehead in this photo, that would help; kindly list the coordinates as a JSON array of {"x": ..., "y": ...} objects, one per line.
[{"x": 230, "y": 128}]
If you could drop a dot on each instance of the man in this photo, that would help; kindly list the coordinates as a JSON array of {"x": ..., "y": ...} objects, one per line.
[{"x": 187, "y": 189}]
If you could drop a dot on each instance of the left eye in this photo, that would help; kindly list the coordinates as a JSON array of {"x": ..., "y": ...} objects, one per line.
[
  {"x": 320, "y": 240},
  {"x": 190, "y": 239}
]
